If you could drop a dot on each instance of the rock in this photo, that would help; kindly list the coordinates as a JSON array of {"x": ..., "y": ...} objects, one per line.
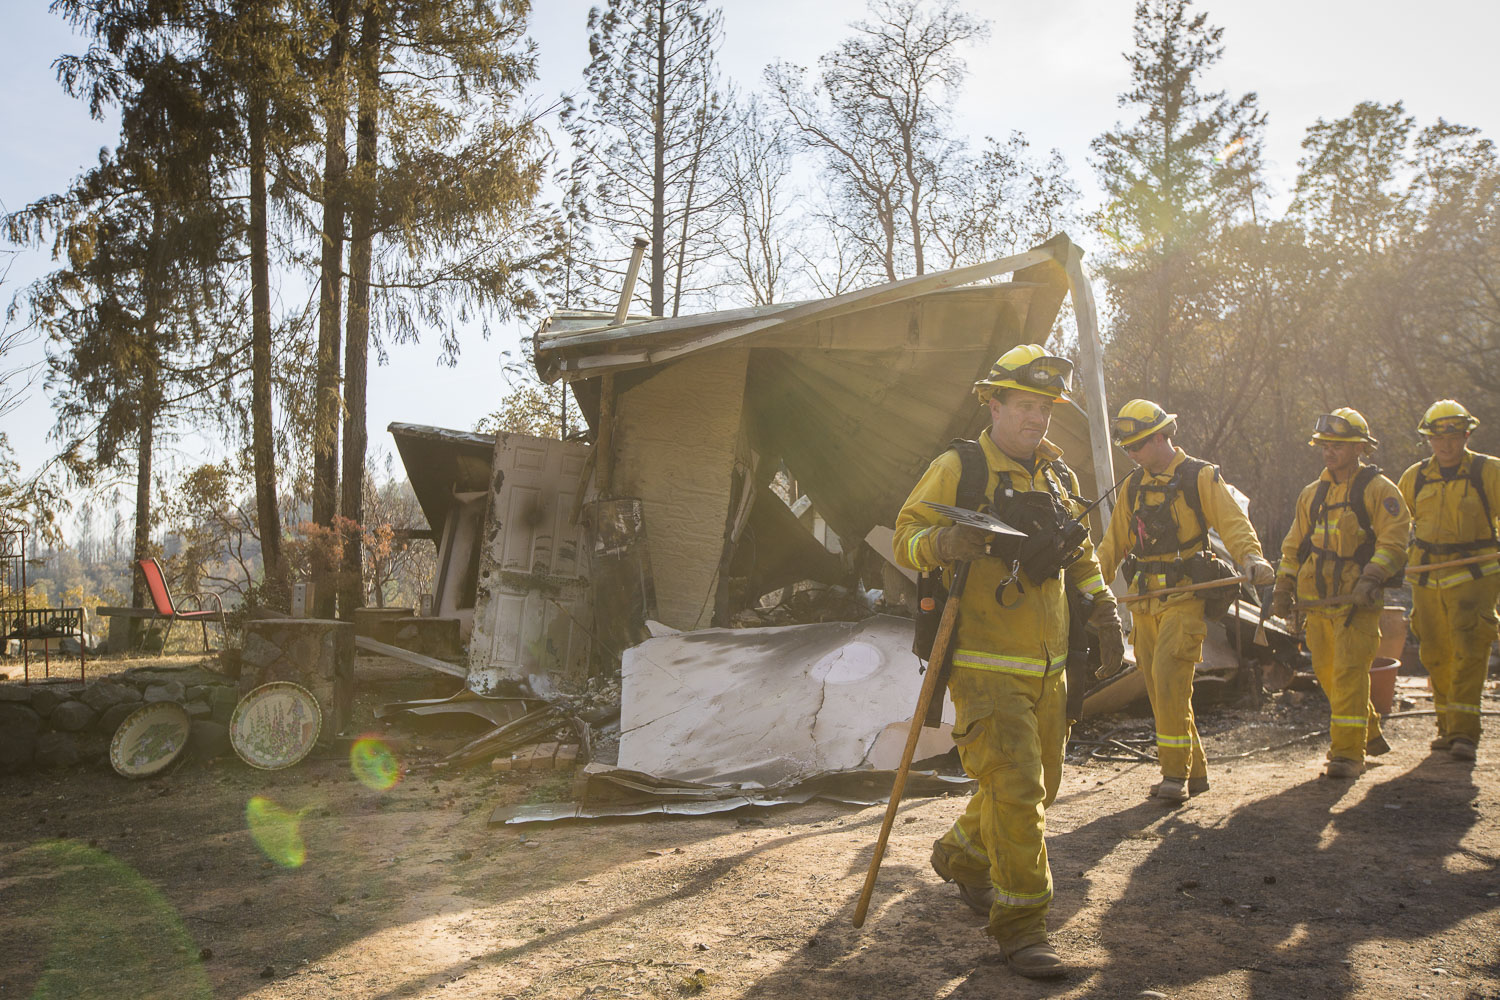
[
  {"x": 103, "y": 695},
  {"x": 46, "y": 698},
  {"x": 168, "y": 691},
  {"x": 198, "y": 710},
  {"x": 209, "y": 739},
  {"x": 304, "y": 652},
  {"x": 197, "y": 692},
  {"x": 72, "y": 717},
  {"x": 111, "y": 717},
  {"x": 222, "y": 700},
  {"x": 259, "y": 653},
  {"x": 19, "y": 726},
  {"x": 15, "y": 692},
  {"x": 57, "y": 750}
]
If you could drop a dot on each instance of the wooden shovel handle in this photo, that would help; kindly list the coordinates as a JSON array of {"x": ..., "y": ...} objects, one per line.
[
  {"x": 1452, "y": 564},
  {"x": 1228, "y": 581},
  {"x": 929, "y": 686}
]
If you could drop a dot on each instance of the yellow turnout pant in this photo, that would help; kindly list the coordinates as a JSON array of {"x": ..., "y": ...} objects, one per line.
[
  {"x": 1010, "y": 733},
  {"x": 1455, "y": 627},
  {"x": 1341, "y": 658},
  {"x": 1168, "y": 646}
]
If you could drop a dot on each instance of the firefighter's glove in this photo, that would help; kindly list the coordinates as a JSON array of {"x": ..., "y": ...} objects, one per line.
[
  {"x": 1281, "y": 597},
  {"x": 960, "y": 543},
  {"x": 1106, "y": 621},
  {"x": 1367, "y": 589},
  {"x": 1261, "y": 573}
]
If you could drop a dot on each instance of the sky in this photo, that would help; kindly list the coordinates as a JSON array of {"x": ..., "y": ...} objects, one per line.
[{"x": 1050, "y": 70}]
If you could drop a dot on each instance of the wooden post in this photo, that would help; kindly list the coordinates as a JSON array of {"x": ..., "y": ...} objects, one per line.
[{"x": 1092, "y": 352}]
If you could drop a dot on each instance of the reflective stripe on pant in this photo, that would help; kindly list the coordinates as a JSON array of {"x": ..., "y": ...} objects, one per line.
[
  {"x": 1341, "y": 657},
  {"x": 1010, "y": 734},
  {"x": 1455, "y": 627},
  {"x": 1168, "y": 645}
]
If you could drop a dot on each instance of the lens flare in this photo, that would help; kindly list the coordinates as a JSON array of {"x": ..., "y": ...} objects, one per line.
[
  {"x": 98, "y": 927},
  {"x": 373, "y": 764},
  {"x": 1229, "y": 150},
  {"x": 277, "y": 831}
]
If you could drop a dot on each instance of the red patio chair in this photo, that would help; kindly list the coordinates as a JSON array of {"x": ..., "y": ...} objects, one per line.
[{"x": 161, "y": 597}]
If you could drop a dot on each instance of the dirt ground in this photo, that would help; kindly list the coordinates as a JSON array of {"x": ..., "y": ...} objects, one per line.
[{"x": 1278, "y": 883}]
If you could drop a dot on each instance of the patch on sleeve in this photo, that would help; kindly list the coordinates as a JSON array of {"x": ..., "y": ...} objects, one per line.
[{"x": 1392, "y": 506}]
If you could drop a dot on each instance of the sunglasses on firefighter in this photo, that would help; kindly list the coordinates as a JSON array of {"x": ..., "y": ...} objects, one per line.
[{"x": 1331, "y": 423}]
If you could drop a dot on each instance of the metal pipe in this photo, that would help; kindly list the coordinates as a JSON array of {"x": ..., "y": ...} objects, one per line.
[
  {"x": 639, "y": 251},
  {"x": 604, "y": 444}
]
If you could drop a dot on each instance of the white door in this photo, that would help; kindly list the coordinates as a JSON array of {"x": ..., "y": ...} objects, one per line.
[{"x": 532, "y": 605}]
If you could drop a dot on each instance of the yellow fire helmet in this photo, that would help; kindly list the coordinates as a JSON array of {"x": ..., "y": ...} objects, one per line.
[
  {"x": 1030, "y": 368},
  {"x": 1343, "y": 424},
  {"x": 1447, "y": 416},
  {"x": 1138, "y": 420}
]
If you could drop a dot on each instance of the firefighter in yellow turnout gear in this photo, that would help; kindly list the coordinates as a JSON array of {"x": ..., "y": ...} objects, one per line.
[
  {"x": 1010, "y": 648},
  {"x": 1349, "y": 537},
  {"x": 1159, "y": 530},
  {"x": 1454, "y": 497}
]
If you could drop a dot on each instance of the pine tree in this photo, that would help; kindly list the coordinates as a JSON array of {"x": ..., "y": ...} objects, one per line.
[
  {"x": 132, "y": 316},
  {"x": 1186, "y": 169},
  {"x": 655, "y": 119},
  {"x": 442, "y": 199}
]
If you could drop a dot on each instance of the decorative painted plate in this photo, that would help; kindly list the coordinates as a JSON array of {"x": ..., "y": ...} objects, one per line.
[
  {"x": 275, "y": 725},
  {"x": 149, "y": 739}
]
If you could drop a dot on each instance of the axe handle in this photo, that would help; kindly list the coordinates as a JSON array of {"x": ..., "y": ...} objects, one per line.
[
  {"x": 940, "y": 645},
  {"x": 1451, "y": 564},
  {"x": 1228, "y": 581}
]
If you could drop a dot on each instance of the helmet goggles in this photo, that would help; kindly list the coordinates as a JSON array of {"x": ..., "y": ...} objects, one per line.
[
  {"x": 1336, "y": 426},
  {"x": 1447, "y": 425},
  {"x": 1124, "y": 428},
  {"x": 1044, "y": 373}
]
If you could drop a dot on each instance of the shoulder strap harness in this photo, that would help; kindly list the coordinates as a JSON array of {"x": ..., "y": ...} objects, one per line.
[
  {"x": 1316, "y": 514},
  {"x": 1432, "y": 550},
  {"x": 1184, "y": 481}
]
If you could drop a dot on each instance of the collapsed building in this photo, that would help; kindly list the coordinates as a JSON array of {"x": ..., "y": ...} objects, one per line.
[
  {"x": 547, "y": 548},
  {"x": 731, "y": 455}
]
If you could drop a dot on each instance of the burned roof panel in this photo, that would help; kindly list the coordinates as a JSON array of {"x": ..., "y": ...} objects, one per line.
[{"x": 441, "y": 462}]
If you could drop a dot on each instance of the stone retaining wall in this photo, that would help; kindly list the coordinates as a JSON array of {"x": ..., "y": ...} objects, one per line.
[{"x": 54, "y": 725}]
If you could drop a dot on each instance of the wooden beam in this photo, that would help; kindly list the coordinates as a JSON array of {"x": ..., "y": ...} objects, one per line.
[
  {"x": 1092, "y": 352},
  {"x": 431, "y": 663}
]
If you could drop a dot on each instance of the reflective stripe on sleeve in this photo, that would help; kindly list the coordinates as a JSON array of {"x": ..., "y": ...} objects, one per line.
[
  {"x": 1093, "y": 585},
  {"x": 911, "y": 546}
]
